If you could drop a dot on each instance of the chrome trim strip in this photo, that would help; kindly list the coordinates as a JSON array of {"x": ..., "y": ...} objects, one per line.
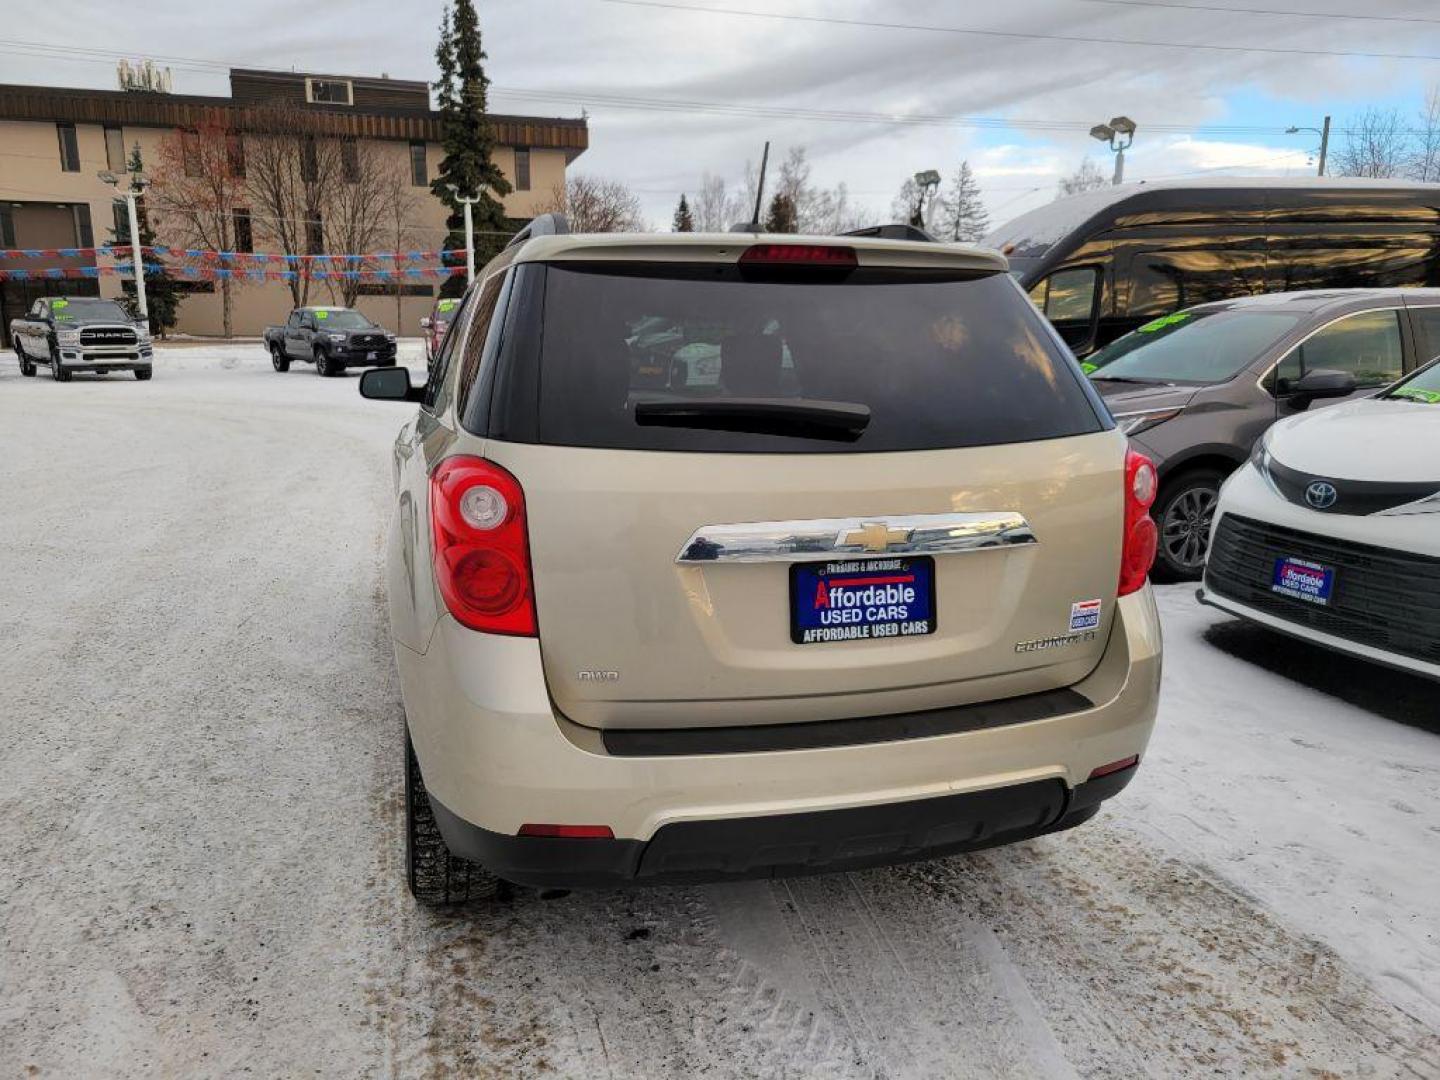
[{"x": 822, "y": 538}]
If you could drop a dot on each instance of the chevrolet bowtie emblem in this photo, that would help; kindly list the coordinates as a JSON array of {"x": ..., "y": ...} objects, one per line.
[{"x": 875, "y": 536}]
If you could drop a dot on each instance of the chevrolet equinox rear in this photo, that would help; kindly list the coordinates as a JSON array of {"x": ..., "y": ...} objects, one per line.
[{"x": 733, "y": 555}]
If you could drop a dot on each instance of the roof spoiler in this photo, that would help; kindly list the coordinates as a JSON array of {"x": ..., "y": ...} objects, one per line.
[
  {"x": 896, "y": 231},
  {"x": 541, "y": 225}
]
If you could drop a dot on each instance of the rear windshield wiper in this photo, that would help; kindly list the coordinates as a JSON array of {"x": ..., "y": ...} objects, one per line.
[{"x": 801, "y": 418}]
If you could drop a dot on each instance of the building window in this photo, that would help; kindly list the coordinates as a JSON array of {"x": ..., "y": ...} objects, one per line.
[
  {"x": 315, "y": 236},
  {"x": 235, "y": 155},
  {"x": 309, "y": 160},
  {"x": 419, "y": 174},
  {"x": 244, "y": 237},
  {"x": 328, "y": 92},
  {"x": 69, "y": 148},
  {"x": 350, "y": 160},
  {"x": 84, "y": 231},
  {"x": 114, "y": 149},
  {"x": 190, "y": 152},
  {"x": 522, "y": 168}
]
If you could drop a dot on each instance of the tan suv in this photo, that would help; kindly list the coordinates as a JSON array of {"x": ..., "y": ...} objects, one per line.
[{"x": 732, "y": 555}]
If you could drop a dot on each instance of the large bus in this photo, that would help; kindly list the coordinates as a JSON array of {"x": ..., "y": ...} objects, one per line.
[{"x": 1102, "y": 263}]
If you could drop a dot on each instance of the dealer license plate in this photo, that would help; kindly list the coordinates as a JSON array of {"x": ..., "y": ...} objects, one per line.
[
  {"x": 862, "y": 599},
  {"x": 1300, "y": 579}
]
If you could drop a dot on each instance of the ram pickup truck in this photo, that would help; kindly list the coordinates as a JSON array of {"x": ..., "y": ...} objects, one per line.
[
  {"x": 80, "y": 333},
  {"x": 331, "y": 338}
]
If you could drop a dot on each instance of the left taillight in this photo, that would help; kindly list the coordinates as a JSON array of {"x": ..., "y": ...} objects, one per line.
[
  {"x": 1141, "y": 537},
  {"x": 482, "y": 553}
]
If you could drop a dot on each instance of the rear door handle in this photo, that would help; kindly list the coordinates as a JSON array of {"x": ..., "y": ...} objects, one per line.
[{"x": 819, "y": 538}]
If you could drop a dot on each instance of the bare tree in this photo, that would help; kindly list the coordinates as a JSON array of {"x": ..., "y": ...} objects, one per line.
[
  {"x": 292, "y": 172},
  {"x": 712, "y": 207},
  {"x": 1374, "y": 145},
  {"x": 197, "y": 184},
  {"x": 1087, "y": 177},
  {"x": 1425, "y": 157},
  {"x": 902, "y": 207},
  {"x": 359, "y": 212},
  {"x": 398, "y": 207},
  {"x": 594, "y": 204}
]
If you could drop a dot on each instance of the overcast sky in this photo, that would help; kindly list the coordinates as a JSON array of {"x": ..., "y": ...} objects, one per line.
[{"x": 579, "y": 53}]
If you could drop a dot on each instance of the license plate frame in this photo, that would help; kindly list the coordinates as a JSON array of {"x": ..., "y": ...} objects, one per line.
[
  {"x": 1303, "y": 580},
  {"x": 884, "y": 584}
]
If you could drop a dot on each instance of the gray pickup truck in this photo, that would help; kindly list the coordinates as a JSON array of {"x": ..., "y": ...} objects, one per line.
[
  {"x": 80, "y": 333},
  {"x": 331, "y": 338}
]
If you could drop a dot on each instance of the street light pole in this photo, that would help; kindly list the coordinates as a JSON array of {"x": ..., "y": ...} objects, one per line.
[
  {"x": 1120, "y": 127},
  {"x": 137, "y": 257},
  {"x": 467, "y": 201},
  {"x": 134, "y": 188},
  {"x": 1324, "y": 133}
]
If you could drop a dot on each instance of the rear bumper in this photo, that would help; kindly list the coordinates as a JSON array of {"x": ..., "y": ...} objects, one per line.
[
  {"x": 789, "y": 845},
  {"x": 495, "y": 755}
]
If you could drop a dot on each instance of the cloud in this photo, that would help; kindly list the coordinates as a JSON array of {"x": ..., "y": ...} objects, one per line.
[{"x": 581, "y": 48}]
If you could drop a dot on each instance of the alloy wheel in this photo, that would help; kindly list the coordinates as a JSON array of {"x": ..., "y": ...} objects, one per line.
[{"x": 1185, "y": 530}]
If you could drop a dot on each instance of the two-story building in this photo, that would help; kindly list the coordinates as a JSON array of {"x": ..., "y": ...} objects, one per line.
[{"x": 55, "y": 141}]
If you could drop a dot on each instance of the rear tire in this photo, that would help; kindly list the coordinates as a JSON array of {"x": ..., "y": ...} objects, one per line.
[
  {"x": 27, "y": 366},
  {"x": 435, "y": 876},
  {"x": 279, "y": 359},
  {"x": 1183, "y": 513},
  {"x": 143, "y": 374}
]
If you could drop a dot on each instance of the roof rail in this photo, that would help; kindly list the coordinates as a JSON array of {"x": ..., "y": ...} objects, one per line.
[
  {"x": 541, "y": 225},
  {"x": 896, "y": 231}
]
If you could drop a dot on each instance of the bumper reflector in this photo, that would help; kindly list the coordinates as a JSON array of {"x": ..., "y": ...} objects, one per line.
[
  {"x": 1115, "y": 766},
  {"x": 573, "y": 832}
]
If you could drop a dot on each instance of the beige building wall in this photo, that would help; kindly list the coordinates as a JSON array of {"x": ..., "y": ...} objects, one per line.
[{"x": 30, "y": 172}]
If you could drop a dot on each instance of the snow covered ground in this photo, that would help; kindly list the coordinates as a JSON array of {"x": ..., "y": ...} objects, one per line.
[{"x": 200, "y": 780}]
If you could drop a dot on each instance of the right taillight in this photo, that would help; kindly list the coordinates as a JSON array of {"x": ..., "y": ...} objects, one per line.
[
  {"x": 1141, "y": 535},
  {"x": 482, "y": 557}
]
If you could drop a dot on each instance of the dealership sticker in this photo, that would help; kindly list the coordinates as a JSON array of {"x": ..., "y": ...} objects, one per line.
[{"x": 1084, "y": 615}]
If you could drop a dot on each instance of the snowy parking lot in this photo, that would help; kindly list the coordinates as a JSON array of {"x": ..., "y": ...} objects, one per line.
[{"x": 201, "y": 795}]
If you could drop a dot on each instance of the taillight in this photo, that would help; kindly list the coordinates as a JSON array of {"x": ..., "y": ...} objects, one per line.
[
  {"x": 798, "y": 255},
  {"x": 482, "y": 558},
  {"x": 1141, "y": 536}
]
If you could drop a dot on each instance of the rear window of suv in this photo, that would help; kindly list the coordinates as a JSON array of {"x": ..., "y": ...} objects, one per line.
[{"x": 937, "y": 362}]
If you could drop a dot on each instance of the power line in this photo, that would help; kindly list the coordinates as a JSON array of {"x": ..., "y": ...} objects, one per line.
[
  {"x": 1018, "y": 35},
  {"x": 1267, "y": 11}
]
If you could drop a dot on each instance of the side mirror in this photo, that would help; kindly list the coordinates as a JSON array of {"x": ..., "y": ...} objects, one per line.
[
  {"x": 1319, "y": 384},
  {"x": 389, "y": 384},
  {"x": 425, "y": 323}
]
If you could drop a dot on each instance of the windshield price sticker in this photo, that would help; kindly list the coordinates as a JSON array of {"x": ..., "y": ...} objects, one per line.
[
  {"x": 322, "y": 314},
  {"x": 1162, "y": 322}
]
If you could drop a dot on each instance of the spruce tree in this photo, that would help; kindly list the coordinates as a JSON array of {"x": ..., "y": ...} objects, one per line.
[
  {"x": 162, "y": 292},
  {"x": 684, "y": 221},
  {"x": 962, "y": 211},
  {"x": 781, "y": 218},
  {"x": 468, "y": 140}
]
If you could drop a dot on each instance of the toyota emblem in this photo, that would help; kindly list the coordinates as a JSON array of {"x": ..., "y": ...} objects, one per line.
[{"x": 1321, "y": 495}]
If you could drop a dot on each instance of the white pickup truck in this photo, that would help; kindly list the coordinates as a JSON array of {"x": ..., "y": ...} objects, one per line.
[{"x": 80, "y": 333}]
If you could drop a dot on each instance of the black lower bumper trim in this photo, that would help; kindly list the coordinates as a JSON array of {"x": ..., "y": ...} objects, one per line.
[
  {"x": 788, "y": 845},
  {"x": 853, "y": 731}
]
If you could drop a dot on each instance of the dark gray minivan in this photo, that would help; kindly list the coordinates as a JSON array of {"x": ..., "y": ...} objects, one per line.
[{"x": 1194, "y": 389}]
